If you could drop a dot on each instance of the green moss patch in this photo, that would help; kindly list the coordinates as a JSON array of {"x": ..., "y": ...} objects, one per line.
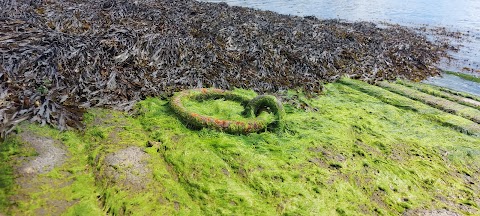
[
  {"x": 252, "y": 119},
  {"x": 359, "y": 150},
  {"x": 434, "y": 91},
  {"x": 440, "y": 103}
]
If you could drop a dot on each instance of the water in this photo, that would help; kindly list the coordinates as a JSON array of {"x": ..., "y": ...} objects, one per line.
[
  {"x": 454, "y": 15},
  {"x": 455, "y": 83},
  {"x": 465, "y": 13}
]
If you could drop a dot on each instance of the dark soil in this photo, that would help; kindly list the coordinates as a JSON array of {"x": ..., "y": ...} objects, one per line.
[{"x": 59, "y": 57}]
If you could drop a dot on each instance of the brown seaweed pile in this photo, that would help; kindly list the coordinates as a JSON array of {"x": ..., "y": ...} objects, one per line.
[{"x": 61, "y": 56}]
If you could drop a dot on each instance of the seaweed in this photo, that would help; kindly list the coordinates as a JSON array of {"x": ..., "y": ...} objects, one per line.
[{"x": 60, "y": 57}]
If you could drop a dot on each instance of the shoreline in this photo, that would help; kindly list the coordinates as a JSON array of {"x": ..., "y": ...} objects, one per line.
[{"x": 467, "y": 59}]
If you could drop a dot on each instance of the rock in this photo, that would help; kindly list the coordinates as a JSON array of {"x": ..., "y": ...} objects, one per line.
[
  {"x": 439, "y": 212},
  {"x": 127, "y": 167},
  {"x": 50, "y": 154}
]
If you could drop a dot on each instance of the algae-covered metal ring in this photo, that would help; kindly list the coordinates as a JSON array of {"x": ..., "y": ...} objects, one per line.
[{"x": 254, "y": 124}]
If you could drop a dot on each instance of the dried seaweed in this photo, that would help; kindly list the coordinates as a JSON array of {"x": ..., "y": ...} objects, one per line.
[{"x": 59, "y": 57}]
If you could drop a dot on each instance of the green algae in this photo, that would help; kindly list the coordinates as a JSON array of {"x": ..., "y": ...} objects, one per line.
[
  {"x": 251, "y": 118},
  {"x": 8, "y": 149},
  {"x": 222, "y": 109},
  {"x": 360, "y": 150},
  {"x": 276, "y": 168},
  {"x": 71, "y": 184},
  {"x": 76, "y": 171},
  {"x": 440, "y": 103},
  {"x": 435, "y": 91},
  {"x": 456, "y": 122}
]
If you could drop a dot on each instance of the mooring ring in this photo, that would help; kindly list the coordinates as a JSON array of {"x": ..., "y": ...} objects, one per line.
[{"x": 252, "y": 108}]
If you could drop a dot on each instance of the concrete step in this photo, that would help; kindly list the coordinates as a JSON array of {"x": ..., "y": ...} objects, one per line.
[
  {"x": 437, "y": 102},
  {"x": 447, "y": 119}
]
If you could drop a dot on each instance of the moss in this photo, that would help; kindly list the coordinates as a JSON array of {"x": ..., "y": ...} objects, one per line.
[
  {"x": 252, "y": 120},
  {"x": 440, "y": 103},
  {"x": 436, "y": 91},
  {"x": 360, "y": 150}
]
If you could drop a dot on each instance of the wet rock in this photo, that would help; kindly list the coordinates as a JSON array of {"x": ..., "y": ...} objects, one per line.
[
  {"x": 50, "y": 154},
  {"x": 440, "y": 212},
  {"x": 127, "y": 167}
]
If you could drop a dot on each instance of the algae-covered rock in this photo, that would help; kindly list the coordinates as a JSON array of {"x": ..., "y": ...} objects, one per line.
[
  {"x": 39, "y": 155},
  {"x": 127, "y": 167},
  {"x": 361, "y": 152},
  {"x": 252, "y": 110},
  {"x": 50, "y": 152},
  {"x": 439, "y": 212}
]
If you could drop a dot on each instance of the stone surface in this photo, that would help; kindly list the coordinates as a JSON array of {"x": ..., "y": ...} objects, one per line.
[
  {"x": 127, "y": 167},
  {"x": 50, "y": 154},
  {"x": 439, "y": 212}
]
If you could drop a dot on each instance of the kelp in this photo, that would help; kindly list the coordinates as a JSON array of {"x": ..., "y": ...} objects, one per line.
[{"x": 60, "y": 57}]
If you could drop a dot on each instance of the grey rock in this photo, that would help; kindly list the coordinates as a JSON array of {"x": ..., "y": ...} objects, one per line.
[
  {"x": 127, "y": 167},
  {"x": 50, "y": 154}
]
